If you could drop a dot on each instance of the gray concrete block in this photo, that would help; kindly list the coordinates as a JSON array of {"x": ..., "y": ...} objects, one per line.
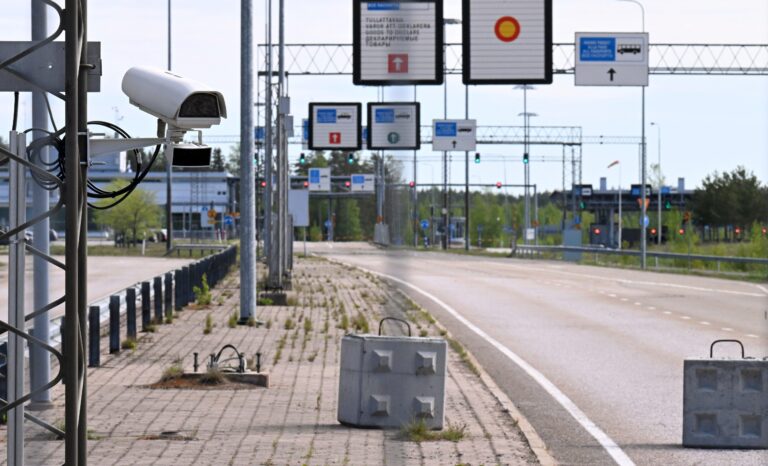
[
  {"x": 725, "y": 403},
  {"x": 390, "y": 381}
]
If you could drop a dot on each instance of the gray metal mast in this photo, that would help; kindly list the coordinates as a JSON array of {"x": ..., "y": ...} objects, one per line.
[
  {"x": 269, "y": 236},
  {"x": 39, "y": 357},
  {"x": 282, "y": 153},
  {"x": 247, "y": 169},
  {"x": 466, "y": 176},
  {"x": 168, "y": 168}
]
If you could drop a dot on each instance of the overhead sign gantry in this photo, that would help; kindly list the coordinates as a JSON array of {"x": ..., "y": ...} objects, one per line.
[{"x": 398, "y": 42}]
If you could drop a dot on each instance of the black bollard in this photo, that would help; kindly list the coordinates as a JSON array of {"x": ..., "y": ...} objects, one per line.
[
  {"x": 158, "y": 282},
  {"x": 169, "y": 294},
  {"x": 114, "y": 324},
  {"x": 146, "y": 315},
  {"x": 130, "y": 313},
  {"x": 178, "y": 305},
  {"x": 94, "y": 336}
]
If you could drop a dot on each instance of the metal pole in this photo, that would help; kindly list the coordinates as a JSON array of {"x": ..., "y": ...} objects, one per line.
[
  {"x": 168, "y": 168},
  {"x": 536, "y": 214},
  {"x": 661, "y": 184},
  {"x": 16, "y": 275},
  {"x": 269, "y": 246},
  {"x": 526, "y": 169},
  {"x": 282, "y": 153},
  {"x": 643, "y": 207},
  {"x": 446, "y": 227},
  {"x": 248, "y": 177},
  {"x": 39, "y": 358},
  {"x": 466, "y": 176},
  {"x": 415, "y": 220},
  {"x": 620, "y": 204}
]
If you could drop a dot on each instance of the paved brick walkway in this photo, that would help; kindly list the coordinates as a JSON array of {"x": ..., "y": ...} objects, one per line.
[{"x": 294, "y": 421}]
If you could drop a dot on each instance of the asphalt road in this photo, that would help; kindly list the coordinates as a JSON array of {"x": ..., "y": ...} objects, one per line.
[
  {"x": 610, "y": 342},
  {"x": 106, "y": 275}
]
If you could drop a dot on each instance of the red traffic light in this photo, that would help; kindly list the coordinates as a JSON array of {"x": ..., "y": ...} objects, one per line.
[
  {"x": 653, "y": 231},
  {"x": 681, "y": 231},
  {"x": 498, "y": 184},
  {"x": 412, "y": 184},
  {"x": 263, "y": 184},
  {"x": 596, "y": 231},
  {"x": 765, "y": 231},
  {"x": 306, "y": 184},
  {"x": 347, "y": 184},
  {"x": 738, "y": 230}
]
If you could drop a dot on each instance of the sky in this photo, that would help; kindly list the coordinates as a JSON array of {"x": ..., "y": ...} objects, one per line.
[{"x": 706, "y": 123}]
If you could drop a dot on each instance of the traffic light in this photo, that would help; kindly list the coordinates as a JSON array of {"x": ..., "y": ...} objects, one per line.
[
  {"x": 653, "y": 232},
  {"x": 765, "y": 231},
  {"x": 412, "y": 184},
  {"x": 351, "y": 158},
  {"x": 681, "y": 231},
  {"x": 596, "y": 231},
  {"x": 306, "y": 184},
  {"x": 668, "y": 205},
  {"x": 347, "y": 184},
  {"x": 526, "y": 159},
  {"x": 477, "y": 157},
  {"x": 263, "y": 184},
  {"x": 737, "y": 230},
  {"x": 498, "y": 185},
  {"x": 582, "y": 205},
  {"x": 302, "y": 159}
]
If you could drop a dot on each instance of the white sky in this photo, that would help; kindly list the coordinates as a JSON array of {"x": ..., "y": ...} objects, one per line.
[{"x": 707, "y": 123}]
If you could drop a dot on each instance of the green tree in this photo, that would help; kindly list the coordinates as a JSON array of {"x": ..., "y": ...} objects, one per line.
[
  {"x": 135, "y": 215},
  {"x": 217, "y": 161},
  {"x": 735, "y": 198},
  {"x": 233, "y": 160}
]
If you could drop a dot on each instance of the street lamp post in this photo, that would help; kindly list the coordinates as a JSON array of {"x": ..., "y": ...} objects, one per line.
[
  {"x": 643, "y": 175},
  {"x": 445, "y": 212},
  {"x": 615, "y": 163},
  {"x": 660, "y": 229}
]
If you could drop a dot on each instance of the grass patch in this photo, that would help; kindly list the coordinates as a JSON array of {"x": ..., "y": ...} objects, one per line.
[
  {"x": 212, "y": 377},
  {"x": 203, "y": 294},
  {"x": 360, "y": 323},
  {"x": 463, "y": 355},
  {"x": 208, "y": 328},
  {"x": 289, "y": 324},
  {"x": 172, "y": 372},
  {"x": 307, "y": 325},
  {"x": 423, "y": 333},
  {"x": 417, "y": 431},
  {"x": 128, "y": 344},
  {"x": 251, "y": 321},
  {"x": 264, "y": 302},
  {"x": 268, "y": 325},
  {"x": 232, "y": 322}
]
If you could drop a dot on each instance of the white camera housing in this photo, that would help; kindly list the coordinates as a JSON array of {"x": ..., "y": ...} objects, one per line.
[{"x": 182, "y": 103}]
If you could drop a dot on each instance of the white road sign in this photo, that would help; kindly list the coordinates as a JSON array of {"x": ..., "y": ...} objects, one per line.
[
  {"x": 334, "y": 126},
  {"x": 611, "y": 59},
  {"x": 397, "y": 42},
  {"x": 320, "y": 179},
  {"x": 363, "y": 183},
  {"x": 394, "y": 126},
  {"x": 507, "y": 41},
  {"x": 454, "y": 135}
]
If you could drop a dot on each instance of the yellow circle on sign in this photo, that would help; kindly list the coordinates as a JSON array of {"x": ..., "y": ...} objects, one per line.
[{"x": 507, "y": 29}]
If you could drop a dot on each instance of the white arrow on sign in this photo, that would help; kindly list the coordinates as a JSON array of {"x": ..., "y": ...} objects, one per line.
[{"x": 398, "y": 62}]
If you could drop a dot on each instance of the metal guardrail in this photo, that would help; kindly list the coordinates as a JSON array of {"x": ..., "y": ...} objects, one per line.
[{"x": 524, "y": 249}]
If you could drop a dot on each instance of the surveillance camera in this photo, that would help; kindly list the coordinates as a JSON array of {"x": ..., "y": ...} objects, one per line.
[{"x": 180, "y": 102}]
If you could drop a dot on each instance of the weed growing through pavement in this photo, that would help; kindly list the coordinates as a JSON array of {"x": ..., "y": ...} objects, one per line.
[
  {"x": 172, "y": 372},
  {"x": 417, "y": 431},
  {"x": 208, "y": 325},
  {"x": 289, "y": 324},
  {"x": 232, "y": 322},
  {"x": 307, "y": 325},
  {"x": 129, "y": 344},
  {"x": 203, "y": 294},
  {"x": 212, "y": 377},
  {"x": 360, "y": 323}
]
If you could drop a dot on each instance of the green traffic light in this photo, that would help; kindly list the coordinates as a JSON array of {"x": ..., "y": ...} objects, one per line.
[
  {"x": 477, "y": 158},
  {"x": 526, "y": 159},
  {"x": 582, "y": 205},
  {"x": 668, "y": 205}
]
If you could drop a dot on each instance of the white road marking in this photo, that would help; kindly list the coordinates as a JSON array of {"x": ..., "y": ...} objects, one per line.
[
  {"x": 651, "y": 308},
  {"x": 638, "y": 304},
  {"x": 667, "y": 313},
  {"x": 685, "y": 317},
  {"x": 704, "y": 322},
  {"x": 626, "y": 281},
  {"x": 752, "y": 336},
  {"x": 605, "y": 441},
  {"x": 624, "y": 299},
  {"x": 612, "y": 295},
  {"x": 727, "y": 329}
]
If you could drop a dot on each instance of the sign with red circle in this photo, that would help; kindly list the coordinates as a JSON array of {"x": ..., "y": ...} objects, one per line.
[{"x": 507, "y": 29}]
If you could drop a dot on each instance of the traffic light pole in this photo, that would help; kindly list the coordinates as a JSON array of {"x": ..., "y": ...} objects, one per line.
[
  {"x": 644, "y": 206},
  {"x": 466, "y": 175}
]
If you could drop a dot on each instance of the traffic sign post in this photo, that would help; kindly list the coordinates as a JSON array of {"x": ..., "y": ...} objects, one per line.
[
  {"x": 397, "y": 42},
  {"x": 611, "y": 59},
  {"x": 362, "y": 183},
  {"x": 394, "y": 126},
  {"x": 319, "y": 179},
  {"x": 506, "y": 44},
  {"x": 334, "y": 126},
  {"x": 454, "y": 135}
]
